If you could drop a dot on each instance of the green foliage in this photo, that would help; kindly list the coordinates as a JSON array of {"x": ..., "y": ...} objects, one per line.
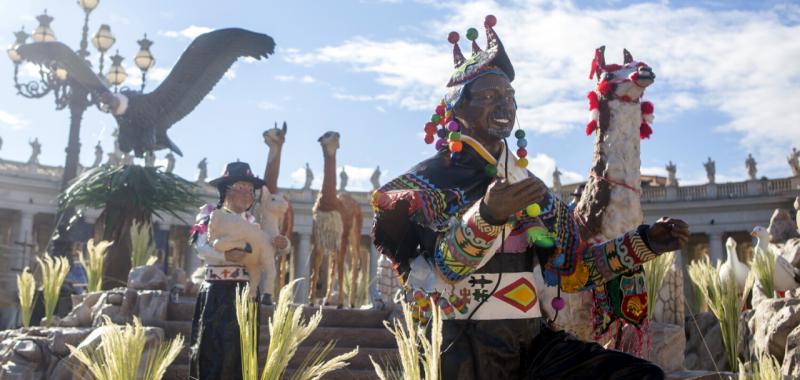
[
  {"x": 120, "y": 351},
  {"x": 764, "y": 269},
  {"x": 654, "y": 272},
  {"x": 287, "y": 331},
  {"x": 765, "y": 367},
  {"x": 143, "y": 252},
  {"x": 54, "y": 271},
  {"x": 129, "y": 192},
  {"x": 411, "y": 337},
  {"x": 94, "y": 267},
  {"x": 722, "y": 296},
  {"x": 26, "y": 286}
]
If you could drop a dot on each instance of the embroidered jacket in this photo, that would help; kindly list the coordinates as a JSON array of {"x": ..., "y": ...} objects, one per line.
[{"x": 434, "y": 210}]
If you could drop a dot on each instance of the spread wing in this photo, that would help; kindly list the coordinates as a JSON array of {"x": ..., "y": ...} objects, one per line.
[
  {"x": 200, "y": 67},
  {"x": 56, "y": 53}
]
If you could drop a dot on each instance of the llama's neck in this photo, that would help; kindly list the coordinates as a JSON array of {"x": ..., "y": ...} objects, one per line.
[
  {"x": 327, "y": 200},
  {"x": 620, "y": 149},
  {"x": 610, "y": 204},
  {"x": 273, "y": 168}
]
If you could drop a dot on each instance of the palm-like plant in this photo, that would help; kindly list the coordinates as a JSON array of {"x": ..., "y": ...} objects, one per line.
[
  {"x": 120, "y": 351},
  {"x": 143, "y": 251},
  {"x": 287, "y": 330},
  {"x": 764, "y": 269},
  {"x": 126, "y": 194},
  {"x": 722, "y": 296},
  {"x": 420, "y": 354},
  {"x": 94, "y": 267},
  {"x": 54, "y": 270},
  {"x": 26, "y": 286},
  {"x": 654, "y": 272}
]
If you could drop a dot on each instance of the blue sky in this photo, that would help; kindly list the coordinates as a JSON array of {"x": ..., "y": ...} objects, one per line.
[{"x": 728, "y": 81}]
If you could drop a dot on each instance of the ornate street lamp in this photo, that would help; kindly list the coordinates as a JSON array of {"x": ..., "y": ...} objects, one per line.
[
  {"x": 56, "y": 79},
  {"x": 102, "y": 41},
  {"x": 144, "y": 59},
  {"x": 43, "y": 32},
  {"x": 116, "y": 74},
  {"x": 21, "y": 37}
]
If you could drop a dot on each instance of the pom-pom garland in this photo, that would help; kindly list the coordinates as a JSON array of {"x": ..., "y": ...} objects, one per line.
[
  {"x": 647, "y": 118},
  {"x": 594, "y": 103}
]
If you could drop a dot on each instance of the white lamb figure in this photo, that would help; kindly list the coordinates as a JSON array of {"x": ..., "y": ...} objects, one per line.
[
  {"x": 228, "y": 231},
  {"x": 273, "y": 208}
]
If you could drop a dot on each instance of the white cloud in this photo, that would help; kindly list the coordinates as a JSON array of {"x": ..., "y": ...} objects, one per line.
[
  {"x": 291, "y": 78},
  {"x": 358, "y": 178},
  {"x": 231, "y": 73},
  {"x": 543, "y": 167},
  {"x": 158, "y": 74},
  {"x": 11, "y": 121},
  {"x": 267, "y": 105},
  {"x": 154, "y": 76},
  {"x": 190, "y": 32},
  {"x": 738, "y": 63}
]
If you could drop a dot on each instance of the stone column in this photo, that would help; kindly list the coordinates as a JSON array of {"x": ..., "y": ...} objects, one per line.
[
  {"x": 671, "y": 193},
  {"x": 24, "y": 237},
  {"x": 301, "y": 266},
  {"x": 711, "y": 190},
  {"x": 715, "y": 248}
]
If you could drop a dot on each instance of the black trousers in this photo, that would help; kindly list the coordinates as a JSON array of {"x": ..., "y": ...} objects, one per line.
[
  {"x": 215, "y": 350},
  {"x": 528, "y": 349}
]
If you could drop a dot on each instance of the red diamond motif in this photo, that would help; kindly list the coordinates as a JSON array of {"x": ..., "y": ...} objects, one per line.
[{"x": 520, "y": 294}]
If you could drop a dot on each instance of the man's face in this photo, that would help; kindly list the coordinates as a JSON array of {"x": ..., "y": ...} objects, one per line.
[
  {"x": 488, "y": 110},
  {"x": 240, "y": 196}
]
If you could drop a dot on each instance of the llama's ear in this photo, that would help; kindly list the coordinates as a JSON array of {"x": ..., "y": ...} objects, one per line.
[
  {"x": 626, "y": 56},
  {"x": 283, "y": 129},
  {"x": 598, "y": 63}
]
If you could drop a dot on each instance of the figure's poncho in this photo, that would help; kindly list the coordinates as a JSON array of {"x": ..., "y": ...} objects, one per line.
[{"x": 433, "y": 210}]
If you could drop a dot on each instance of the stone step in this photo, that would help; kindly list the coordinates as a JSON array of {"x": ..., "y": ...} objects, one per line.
[
  {"x": 344, "y": 336},
  {"x": 181, "y": 372},
  {"x": 359, "y": 362},
  {"x": 331, "y": 316},
  {"x": 701, "y": 375}
]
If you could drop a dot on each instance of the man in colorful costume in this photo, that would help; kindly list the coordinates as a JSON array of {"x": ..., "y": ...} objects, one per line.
[
  {"x": 455, "y": 229},
  {"x": 215, "y": 349}
]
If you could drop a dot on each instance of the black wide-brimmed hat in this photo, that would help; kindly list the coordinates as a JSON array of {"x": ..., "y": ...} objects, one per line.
[{"x": 235, "y": 172}]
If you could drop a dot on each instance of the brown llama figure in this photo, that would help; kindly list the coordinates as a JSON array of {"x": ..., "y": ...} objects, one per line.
[{"x": 274, "y": 138}]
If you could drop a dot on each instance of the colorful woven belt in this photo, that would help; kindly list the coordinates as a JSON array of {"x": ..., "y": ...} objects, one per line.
[{"x": 226, "y": 273}]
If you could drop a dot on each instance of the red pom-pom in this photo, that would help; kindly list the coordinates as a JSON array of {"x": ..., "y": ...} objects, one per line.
[
  {"x": 521, "y": 152},
  {"x": 430, "y": 128},
  {"x": 591, "y": 127},
  {"x": 440, "y": 110},
  {"x": 593, "y": 101},
  {"x": 490, "y": 21},
  {"x": 428, "y": 139},
  {"x": 647, "y": 108},
  {"x": 645, "y": 131},
  {"x": 453, "y": 37},
  {"x": 605, "y": 88}
]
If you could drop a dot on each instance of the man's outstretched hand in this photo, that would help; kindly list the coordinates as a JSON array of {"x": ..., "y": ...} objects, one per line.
[
  {"x": 667, "y": 235},
  {"x": 503, "y": 199}
]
